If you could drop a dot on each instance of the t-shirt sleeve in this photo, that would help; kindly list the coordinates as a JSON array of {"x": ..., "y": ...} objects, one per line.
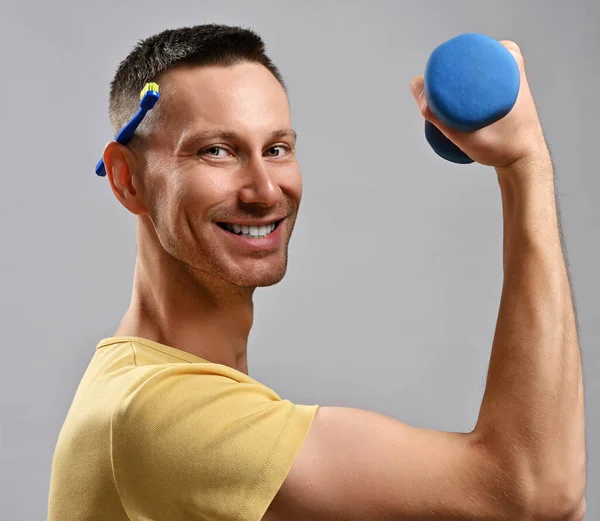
[{"x": 188, "y": 446}]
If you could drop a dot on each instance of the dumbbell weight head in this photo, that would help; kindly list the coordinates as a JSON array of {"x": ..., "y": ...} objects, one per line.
[{"x": 470, "y": 82}]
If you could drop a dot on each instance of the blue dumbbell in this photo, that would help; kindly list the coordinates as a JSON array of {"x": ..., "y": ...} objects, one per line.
[{"x": 471, "y": 81}]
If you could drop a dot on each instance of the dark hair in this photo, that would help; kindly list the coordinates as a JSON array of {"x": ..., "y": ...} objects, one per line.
[{"x": 208, "y": 44}]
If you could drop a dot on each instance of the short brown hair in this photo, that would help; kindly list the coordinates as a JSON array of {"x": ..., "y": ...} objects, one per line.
[{"x": 208, "y": 44}]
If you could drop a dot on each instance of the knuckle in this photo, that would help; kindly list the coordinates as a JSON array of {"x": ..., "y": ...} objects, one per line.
[
  {"x": 514, "y": 49},
  {"x": 511, "y": 46}
]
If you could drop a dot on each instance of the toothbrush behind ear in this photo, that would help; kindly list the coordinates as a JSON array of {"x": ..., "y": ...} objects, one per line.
[{"x": 148, "y": 98}]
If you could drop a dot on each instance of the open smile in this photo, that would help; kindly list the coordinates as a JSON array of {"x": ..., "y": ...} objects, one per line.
[
  {"x": 254, "y": 237},
  {"x": 255, "y": 231}
]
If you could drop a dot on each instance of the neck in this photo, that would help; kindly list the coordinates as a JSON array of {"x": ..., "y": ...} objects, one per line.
[{"x": 178, "y": 306}]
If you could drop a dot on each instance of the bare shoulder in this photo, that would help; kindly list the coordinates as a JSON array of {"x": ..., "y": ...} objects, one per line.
[{"x": 364, "y": 466}]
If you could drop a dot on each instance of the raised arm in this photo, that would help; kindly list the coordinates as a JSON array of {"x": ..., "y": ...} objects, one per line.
[
  {"x": 533, "y": 409},
  {"x": 525, "y": 459}
]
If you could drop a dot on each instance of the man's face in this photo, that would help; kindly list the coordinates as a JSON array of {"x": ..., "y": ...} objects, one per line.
[{"x": 222, "y": 183}]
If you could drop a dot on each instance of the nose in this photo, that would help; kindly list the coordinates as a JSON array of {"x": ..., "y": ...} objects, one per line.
[{"x": 260, "y": 184}]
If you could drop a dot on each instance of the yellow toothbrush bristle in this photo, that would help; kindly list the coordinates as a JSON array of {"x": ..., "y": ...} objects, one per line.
[{"x": 148, "y": 87}]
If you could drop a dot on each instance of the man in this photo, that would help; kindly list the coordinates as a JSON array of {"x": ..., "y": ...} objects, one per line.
[{"x": 167, "y": 425}]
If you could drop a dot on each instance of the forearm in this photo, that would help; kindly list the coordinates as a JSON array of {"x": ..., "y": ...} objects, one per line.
[{"x": 532, "y": 414}]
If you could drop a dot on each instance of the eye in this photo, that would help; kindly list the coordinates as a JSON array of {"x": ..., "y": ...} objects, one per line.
[
  {"x": 277, "y": 151},
  {"x": 215, "y": 151}
]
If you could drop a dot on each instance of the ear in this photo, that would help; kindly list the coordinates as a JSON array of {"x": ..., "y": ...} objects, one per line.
[{"x": 120, "y": 167}]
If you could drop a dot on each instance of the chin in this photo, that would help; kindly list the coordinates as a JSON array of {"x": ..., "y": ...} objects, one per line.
[{"x": 261, "y": 278}]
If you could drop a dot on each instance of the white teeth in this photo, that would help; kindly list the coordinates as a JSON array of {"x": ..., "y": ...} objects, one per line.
[{"x": 251, "y": 231}]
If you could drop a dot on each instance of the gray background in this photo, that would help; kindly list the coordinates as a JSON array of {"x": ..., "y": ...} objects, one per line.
[{"x": 395, "y": 274}]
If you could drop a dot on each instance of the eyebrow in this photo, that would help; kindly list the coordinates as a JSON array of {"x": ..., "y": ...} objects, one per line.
[{"x": 202, "y": 135}]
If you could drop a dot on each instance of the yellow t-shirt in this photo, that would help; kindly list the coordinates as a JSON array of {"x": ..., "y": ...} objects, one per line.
[{"x": 156, "y": 433}]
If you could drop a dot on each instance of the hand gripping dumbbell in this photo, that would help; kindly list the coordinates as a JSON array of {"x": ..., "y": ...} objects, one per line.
[{"x": 470, "y": 82}]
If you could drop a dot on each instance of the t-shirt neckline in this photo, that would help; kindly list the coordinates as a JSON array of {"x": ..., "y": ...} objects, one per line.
[{"x": 172, "y": 351}]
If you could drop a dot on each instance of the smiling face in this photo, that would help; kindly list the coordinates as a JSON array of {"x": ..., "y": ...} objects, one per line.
[{"x": 221, "y": 182}]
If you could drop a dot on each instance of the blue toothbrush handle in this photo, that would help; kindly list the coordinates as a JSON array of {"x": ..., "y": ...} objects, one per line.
[
  {"x": 124, "y": 135},
  {"x": 471, "y": 81},
  {"x": 100, "y": 170}
]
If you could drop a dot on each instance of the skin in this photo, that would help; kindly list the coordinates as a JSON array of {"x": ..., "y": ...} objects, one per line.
[
  {"x": 514, "y": 141},
  {"x": 191, "y": 289},
  {"x": 525, "y": 459},
  {"x": 193, "y": 284}
]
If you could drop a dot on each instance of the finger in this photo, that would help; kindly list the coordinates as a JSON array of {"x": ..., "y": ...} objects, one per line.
[
  {"x": 417, "y": 87},
  {"x": 515, "y": 50}
]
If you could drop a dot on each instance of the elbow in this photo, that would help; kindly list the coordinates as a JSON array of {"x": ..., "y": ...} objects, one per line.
[
  {"x": 579, "y": 512},
  {"x": 568, "y": 513},
  {"x": 568, "y": 498},
  {"x": 566, "y": 505},
  {"x": 539, "y": 491},
  {"x": 573, "y": 512},
  {"x": 559, "y": 503}
]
